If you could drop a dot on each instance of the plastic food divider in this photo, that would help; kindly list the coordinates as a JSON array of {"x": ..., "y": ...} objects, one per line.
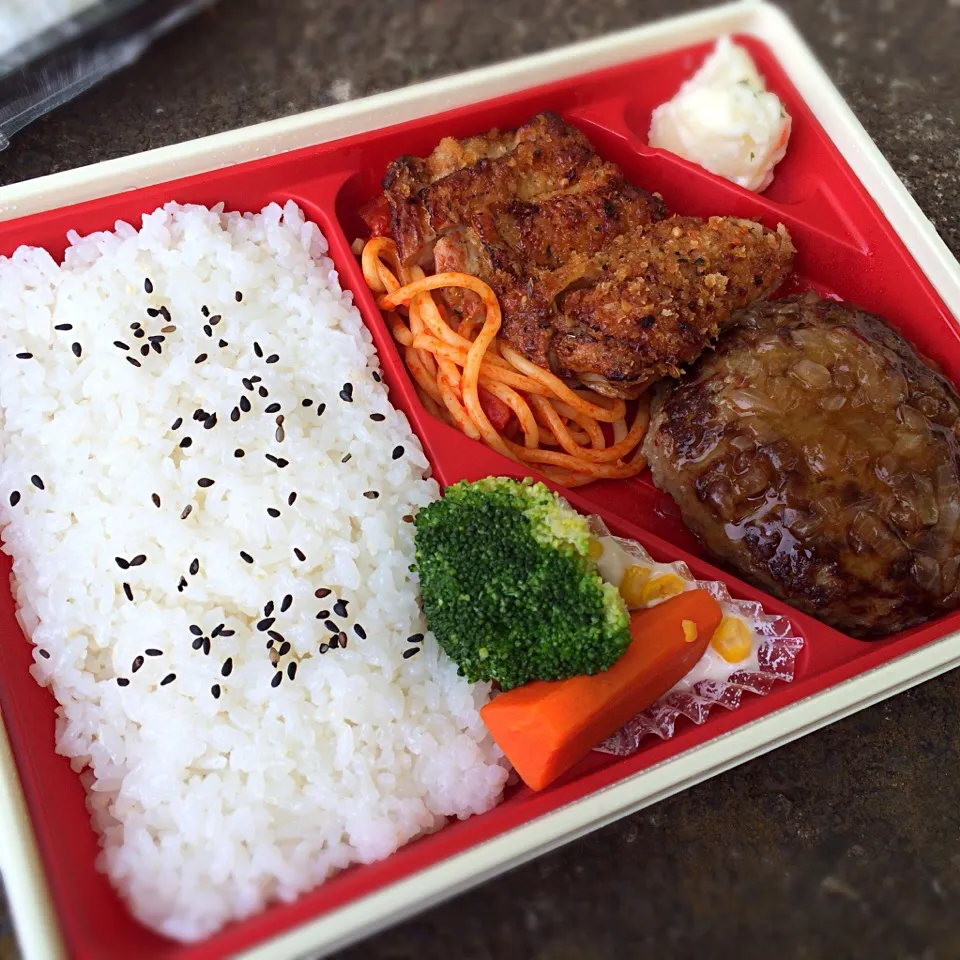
[{"x": 859, "y": 236}]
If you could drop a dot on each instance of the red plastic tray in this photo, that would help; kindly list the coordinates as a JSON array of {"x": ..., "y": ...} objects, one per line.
[{"x": 845, "y": 248}]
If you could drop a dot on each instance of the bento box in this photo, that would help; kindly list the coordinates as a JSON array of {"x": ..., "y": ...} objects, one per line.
[{"x": 860, "y": 237}]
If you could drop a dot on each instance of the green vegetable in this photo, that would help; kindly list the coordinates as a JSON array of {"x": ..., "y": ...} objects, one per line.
[{"x": 508, "y": 586}]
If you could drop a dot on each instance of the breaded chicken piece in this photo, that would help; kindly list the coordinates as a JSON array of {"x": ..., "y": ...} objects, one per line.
[{"x": 593, "y": 282}]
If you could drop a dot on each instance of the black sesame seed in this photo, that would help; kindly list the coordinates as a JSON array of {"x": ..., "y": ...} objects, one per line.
[
  {"x": 139, "y": 560},
  {"x": 245, "y": 405},
  {"x": 197, "y": 643},
  {"x": 268, "y": 608},
  {"x": 165, "y": 313},
  {"x": 156, "y": 338},
  {"x": 156, "y": 347},
  {"x": 273, "y": 512},
  {"x": 227, "y": 633},
  {"x": 239, "y": 296},
  {"x": 377, "y": 417},
  {"x": 215, "y": 319},
  {"x": 200, "y": 358},
  {"x": 169, "y": 678},
  {"x": 286, "y": 603},
  {"x": 121, "y": 345},
  {"x": 255, "y": 378},
  {"x": 371, "y": 494},
  {"x": 320, "y": 408},
  {"x": 153, "y": 312},
  {"x": 347, "y": 458},
  {"x": 284, "y": 648},
  {"x": 45, "y": 654},
  {"x": 291, "y": 499},
  {"x": 134, "y": 361},
  {"x": 37, "y": 482},
  {"x": 217, "y": 630},
  {"x": 292, "y": 669},
  {"x": 323, "y": 592},
  {"x": 410, "y": 652},
  {"x": 155, "y": 497},
  {"x": 181, "y": 586},
  {"x": 205, "y": 482},
  {"x": 205, "y": 310},
  {"x": 269, "y": 644},
  {"x": 137, "y": 664},
  {"x": 187, "y": 510},
  {"x": 359, "y": 631},
  {"x": 215, "y": 690},
  {"x": 211, "y": 422},
  {"x": 194, "y": 629},
  {"x": 208, "y": 330},
  {"x": 24, "y": 356},
  {"x": 227, "y": 667},
  {"x": 277, "y": 677},
  {"x": 238, "y": 453},
  {"x": 206, "y": 646},
  {"x": 397, "y": 453},
  {"x": 324, "y": 647},
  {"x": 14, "y": 498},
  {"x": 145, "y": 350},
  {"x": 323, "y": 614},
  {"x": 185, "y": 442},
  {"x": 68, "y": 326},
  {"x": 416, "y": 638},
  {"x": 77, "y": 349},
  {"x": 279, "y": 461},
  {"x": 194, "y": 570},
  {"x": 272, "y": 408},
  {"x": 235, "y": 414},
  {"x": 247, "y": 383},
  {"x": 331, "y": 626},
  {"x": 273, "y": 358},
  {"x": 123, "y": 682},
  {"x": 346, "y": 393},
  {"x": 222, "y": 343},
  {"x": 341, "y": 638},
  {"x": 153, "y": 652},
  {"x": 177, "y": 424},
  {"x": 335, "y": 642},
  {"x": 306, "y": 403},
  {"x": 264, "y": 392},
  {"x": 148, "y": 285},
  {"x": 246, "y": 556},
  {"x": 257, "y": 349},
  {"x": 266, "y": 623},
  {"x": 128, "y": 591},
  {"x": 376, "y": 376},
  {"x": 301, "y": 556},
  {"x": 340, "y": 608},
  {"x": 122, "y": 564}
]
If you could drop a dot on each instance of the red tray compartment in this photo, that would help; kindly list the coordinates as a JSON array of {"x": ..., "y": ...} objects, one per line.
[{"x": 846, "y": 249}]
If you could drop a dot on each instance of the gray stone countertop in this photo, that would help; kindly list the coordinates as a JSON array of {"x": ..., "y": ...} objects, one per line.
[{"x": 845, "y": 844}]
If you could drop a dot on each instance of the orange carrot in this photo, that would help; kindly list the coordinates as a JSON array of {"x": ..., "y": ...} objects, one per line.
[{"x": 544, "y": 728}]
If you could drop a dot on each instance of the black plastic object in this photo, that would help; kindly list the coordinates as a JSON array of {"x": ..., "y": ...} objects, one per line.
[{"x": 69, "y": 57}]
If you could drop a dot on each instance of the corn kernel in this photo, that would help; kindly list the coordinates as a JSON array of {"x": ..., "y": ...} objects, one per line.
[
  {"x": 733, "y": 640},
  {"x": 689, "y": 630},
  {"x": 662, "y": 587},
  {"x": 631, "y": 586},
  {"x": 595, "y": 549}
]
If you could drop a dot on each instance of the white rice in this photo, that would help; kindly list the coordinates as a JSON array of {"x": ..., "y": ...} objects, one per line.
[{"x": 209, "y": 809}]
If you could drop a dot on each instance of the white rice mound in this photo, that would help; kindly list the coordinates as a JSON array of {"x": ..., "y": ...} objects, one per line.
[{"x": 208, "y": 808}]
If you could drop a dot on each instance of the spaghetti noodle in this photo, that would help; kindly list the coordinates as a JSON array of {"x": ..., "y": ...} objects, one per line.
[{"x": 474, "y": 380}]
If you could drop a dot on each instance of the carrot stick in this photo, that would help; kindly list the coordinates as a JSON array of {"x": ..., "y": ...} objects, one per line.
[{"x": 544, "y": 728}]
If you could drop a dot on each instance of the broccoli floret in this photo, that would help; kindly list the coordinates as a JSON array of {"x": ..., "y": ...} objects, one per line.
[{"x": 509, "y": 588}]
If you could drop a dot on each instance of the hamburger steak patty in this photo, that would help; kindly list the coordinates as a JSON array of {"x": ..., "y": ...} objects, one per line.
[{"x": 817, "y": 453}]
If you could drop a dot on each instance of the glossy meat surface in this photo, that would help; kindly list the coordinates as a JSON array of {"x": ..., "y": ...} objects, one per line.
[{"x": 818, "y": 454}]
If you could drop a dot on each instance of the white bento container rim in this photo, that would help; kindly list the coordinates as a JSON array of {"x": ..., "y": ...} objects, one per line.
[{"x": 26, "y": 888}]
